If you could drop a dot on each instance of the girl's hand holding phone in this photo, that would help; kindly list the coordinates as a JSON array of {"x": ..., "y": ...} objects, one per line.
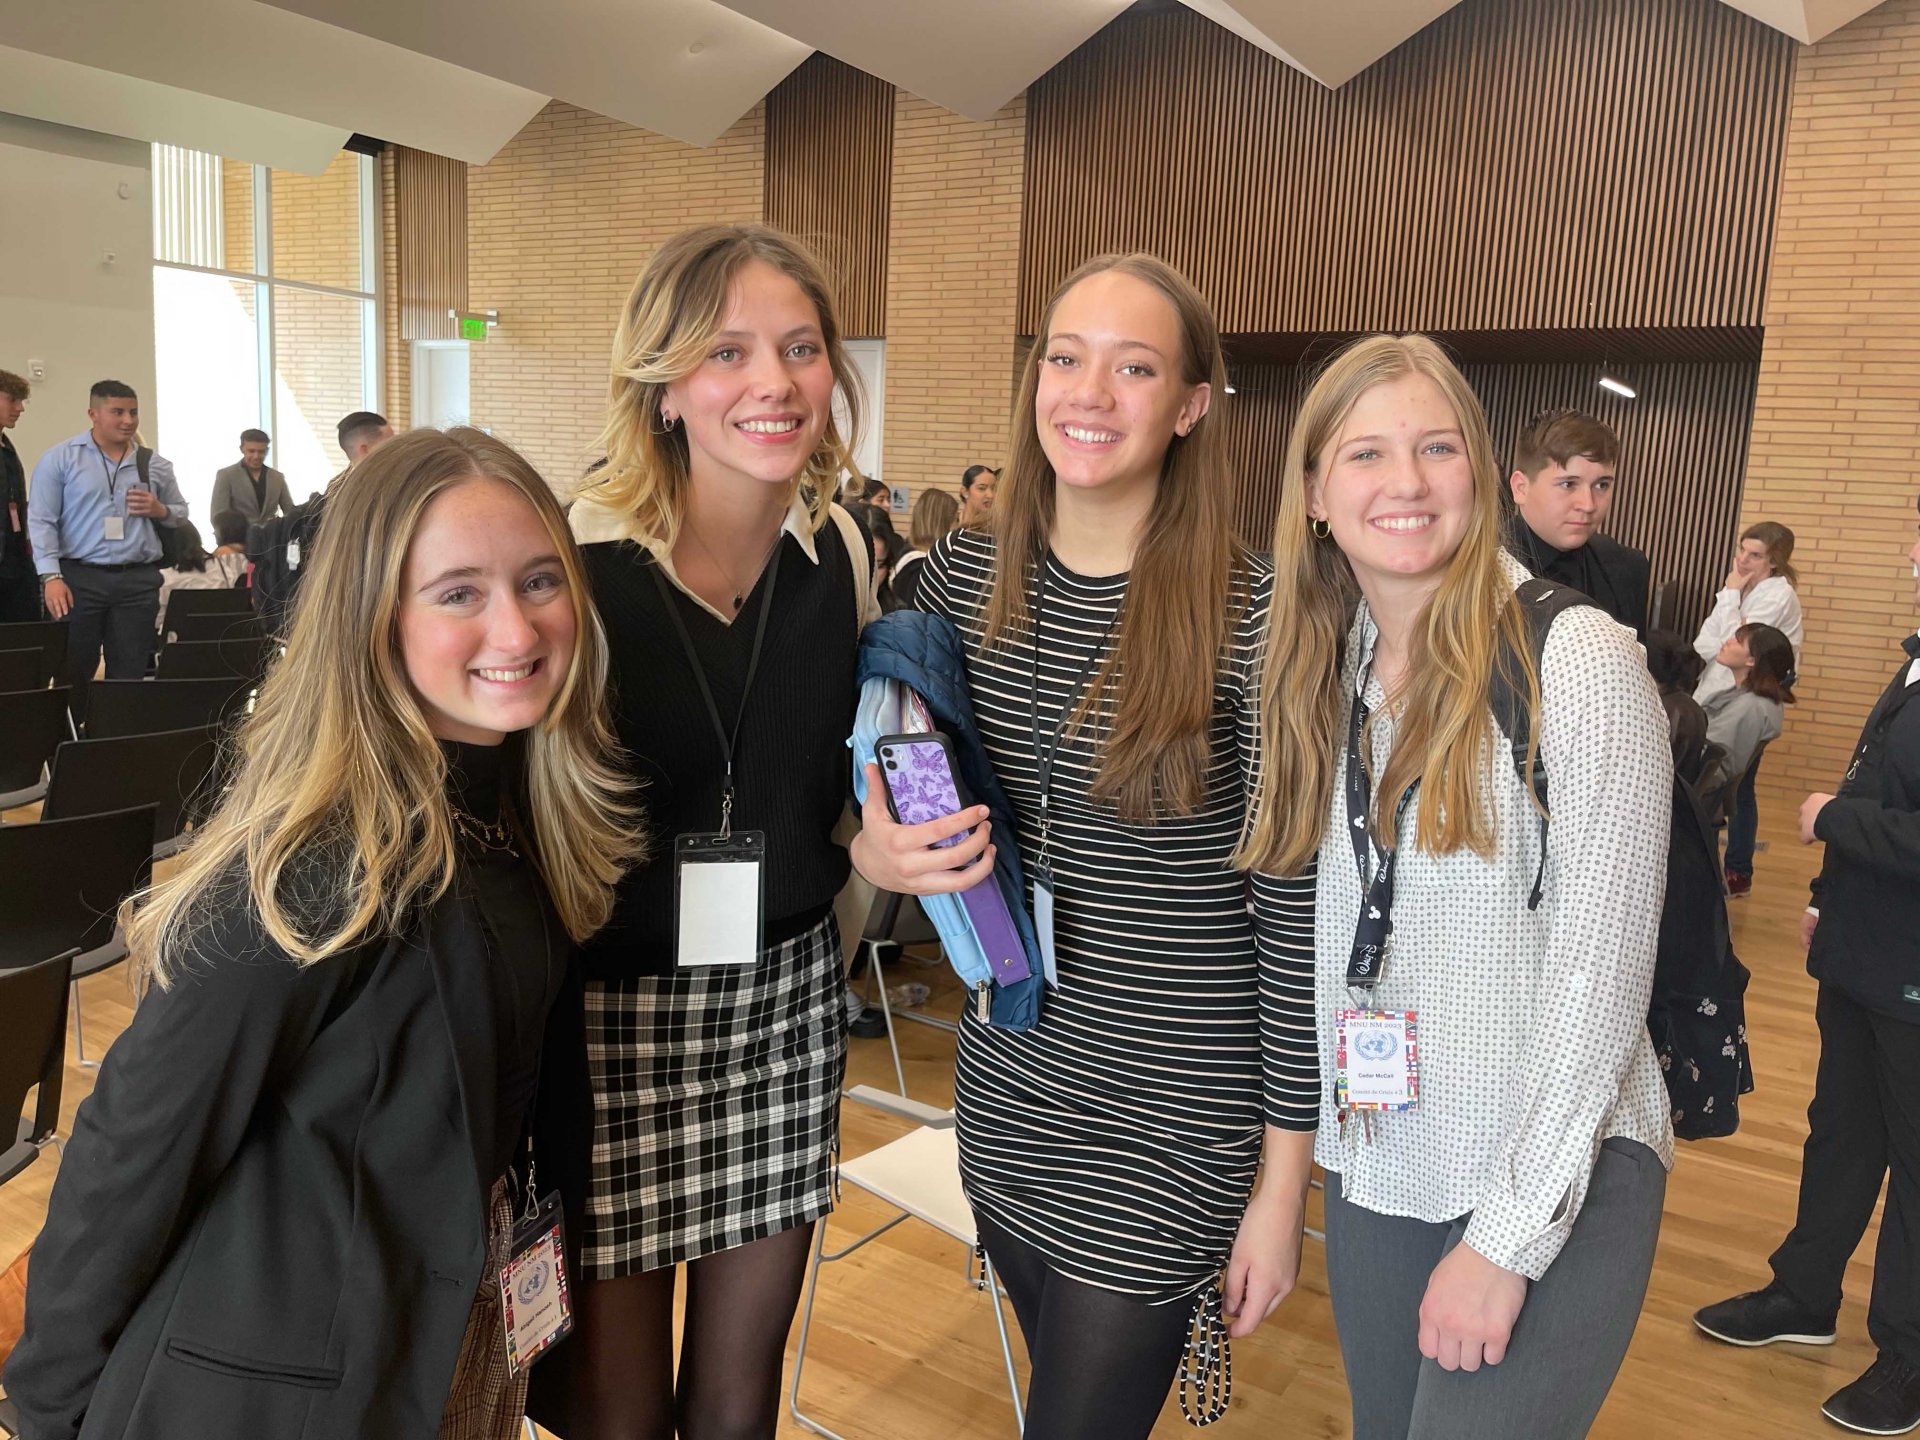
[{"x": 902, "y": 858}]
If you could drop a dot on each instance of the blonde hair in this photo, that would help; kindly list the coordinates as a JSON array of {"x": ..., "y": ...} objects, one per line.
[
  {"x": 1181, "y": 600},
  {"x": 676, "y": 308},
  {"x": 934, "y": 514},
  {"x": 336, "y": 824},
  {"x": 1470, "y": 626}
]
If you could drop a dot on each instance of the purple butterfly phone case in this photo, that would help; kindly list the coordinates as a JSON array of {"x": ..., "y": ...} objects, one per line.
[{"x": 922, "y": 784}]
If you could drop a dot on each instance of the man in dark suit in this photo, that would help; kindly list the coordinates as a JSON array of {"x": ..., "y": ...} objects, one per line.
[
  {"x": 19, "y": 586},
  {"x": 252, "y": 488},
  {"x": 1562, "y": 484}
]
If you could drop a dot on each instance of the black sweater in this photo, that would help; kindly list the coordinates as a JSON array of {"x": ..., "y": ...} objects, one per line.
[
  {"x": 1869, "y": 906},
  {"x": 791, "y": 776}
]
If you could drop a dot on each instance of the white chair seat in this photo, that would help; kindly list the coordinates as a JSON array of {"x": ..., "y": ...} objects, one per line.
[{"x": 920, "y": 1174}]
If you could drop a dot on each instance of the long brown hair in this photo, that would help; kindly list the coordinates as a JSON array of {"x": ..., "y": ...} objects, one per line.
[
  {"x": 1441, "y": 736},
  {"x": 1181, "y": 599},
  {"x": 337, "y": 761},
  {"x": 676, "y": 308}
]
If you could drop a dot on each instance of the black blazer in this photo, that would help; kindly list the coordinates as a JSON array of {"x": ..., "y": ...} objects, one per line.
[{"x": 270, "y": 1222}]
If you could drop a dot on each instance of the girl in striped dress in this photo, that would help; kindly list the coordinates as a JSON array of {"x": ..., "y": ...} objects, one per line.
[{"x": 1112, "y": 626}]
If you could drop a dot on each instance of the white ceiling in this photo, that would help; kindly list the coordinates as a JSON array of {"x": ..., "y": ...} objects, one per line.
[{"x": 283, "y": 82}]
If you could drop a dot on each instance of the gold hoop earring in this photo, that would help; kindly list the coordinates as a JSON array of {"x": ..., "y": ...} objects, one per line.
[{"x": 1320, "y": 528}]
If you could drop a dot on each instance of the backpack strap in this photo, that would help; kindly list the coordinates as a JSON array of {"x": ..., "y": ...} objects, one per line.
[
  {"x": 1540, "y": 602},
  {"x": 142, "y": 459},
  {"x": 860, "y": 552}
]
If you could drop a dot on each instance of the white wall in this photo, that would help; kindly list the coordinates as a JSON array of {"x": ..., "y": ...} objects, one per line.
[{"x": 61, "y": 301}]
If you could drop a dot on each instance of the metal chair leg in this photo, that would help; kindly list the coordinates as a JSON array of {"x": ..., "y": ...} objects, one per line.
[
  {"x": 886, "y": 1010},
  {"x": 1006, "y": 1346},
  {"x": 80, "y": 1032},
  {"x": 806, "y": 1325},
  {"x": 526, "y": 1428}
]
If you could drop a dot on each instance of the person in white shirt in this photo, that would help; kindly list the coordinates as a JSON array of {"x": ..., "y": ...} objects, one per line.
[
  {"x": 198, "y": 569},
  {"x": 1494, "y": 1127},
  {"x": 1759, "y": 590}
]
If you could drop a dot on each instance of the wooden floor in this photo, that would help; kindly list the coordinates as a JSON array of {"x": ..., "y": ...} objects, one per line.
[{"x": 903, "y": 1349}]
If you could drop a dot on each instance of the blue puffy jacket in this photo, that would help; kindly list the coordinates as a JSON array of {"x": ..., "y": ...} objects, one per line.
[{"x": 925, "y": 653}]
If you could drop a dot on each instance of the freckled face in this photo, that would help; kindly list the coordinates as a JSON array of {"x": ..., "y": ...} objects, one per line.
[{"x": 486, "y": 623}]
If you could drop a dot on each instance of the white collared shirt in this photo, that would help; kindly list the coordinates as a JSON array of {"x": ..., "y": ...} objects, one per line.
[
  {"x": 1532, "y": 1023},
  {"x": 593, "y": 522}
]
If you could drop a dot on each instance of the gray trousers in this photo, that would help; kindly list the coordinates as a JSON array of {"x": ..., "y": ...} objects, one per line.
[{"x": 1567, "y": 1346}]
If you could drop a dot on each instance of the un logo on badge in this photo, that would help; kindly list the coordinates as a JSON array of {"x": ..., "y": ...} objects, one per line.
[
  {"x": 534, "y": 1281},
  {"x": 1375, "y": 1045}
]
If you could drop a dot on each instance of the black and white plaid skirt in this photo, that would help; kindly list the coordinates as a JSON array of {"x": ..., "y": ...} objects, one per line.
[{"x": 716, "y": 1099}]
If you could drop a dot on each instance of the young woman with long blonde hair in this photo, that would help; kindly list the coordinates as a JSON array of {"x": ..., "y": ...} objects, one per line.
[
  {"x": 285, "y": 1203},
  {"x": 1494, "y": 1127},
  {"x": 1112, "y": 625},
  {"x": 716, "y": 1021}
]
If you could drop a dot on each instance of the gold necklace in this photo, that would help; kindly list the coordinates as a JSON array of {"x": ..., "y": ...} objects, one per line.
[
  {"x": 739, "y": 591},
  {"x": 496, "y": 836}
]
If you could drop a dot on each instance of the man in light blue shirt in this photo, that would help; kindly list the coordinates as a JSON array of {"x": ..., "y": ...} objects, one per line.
[{"x": 93, "y": 518}]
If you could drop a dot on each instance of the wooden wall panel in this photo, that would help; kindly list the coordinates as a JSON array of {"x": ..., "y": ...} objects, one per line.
[
  {"x": 1514, "y": 166},
  {"x": 1683, "y": 446},
  {"x": 829, "y": 170},
  {"x": 430, "y": 209}
]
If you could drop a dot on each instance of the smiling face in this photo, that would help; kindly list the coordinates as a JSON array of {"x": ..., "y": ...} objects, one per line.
[
  {"x": 1111, "y": 395},
  {"x": 1396, "y": 486},
  {"x": 115, "y": 419},
  {"x": 755, "y": 408},
  {"x": 486, "y": 623},
  {"x": 253, "y": 453},
  {"x": 1565, "y": 504}
]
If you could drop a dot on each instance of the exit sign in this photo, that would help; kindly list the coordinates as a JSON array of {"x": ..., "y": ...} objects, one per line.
[{"x": 473, "y": 327}]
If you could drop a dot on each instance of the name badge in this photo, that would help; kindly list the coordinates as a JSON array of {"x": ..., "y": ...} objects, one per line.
[
  {"x": 1376, "y": 1060},
  {"x": 116, "y": 527},
  {"x": 536, "y": 1308},
  {"x": 293, "y": 554},
  {"x": 719, "y": 884},
  {"x": 1043, "y": 924}
]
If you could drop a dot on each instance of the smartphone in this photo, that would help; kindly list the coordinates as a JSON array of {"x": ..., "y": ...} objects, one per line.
[{"x": 921, "y": 780}]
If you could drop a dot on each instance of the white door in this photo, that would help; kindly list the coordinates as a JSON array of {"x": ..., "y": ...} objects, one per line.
[{"x": 441, "y": 395}]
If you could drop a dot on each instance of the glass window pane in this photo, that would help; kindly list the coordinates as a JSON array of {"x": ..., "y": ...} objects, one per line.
[
  {"x": 318, "y": 380},
  {"x": 316, "y": 224},
  {"x": 207, "y": 361}
]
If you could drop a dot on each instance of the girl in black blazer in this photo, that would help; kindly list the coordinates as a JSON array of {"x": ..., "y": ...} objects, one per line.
[{"x": 284, "y": 1205}]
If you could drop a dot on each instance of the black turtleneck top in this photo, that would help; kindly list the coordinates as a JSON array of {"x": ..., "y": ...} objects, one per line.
[{"x": 518, "y": 977}]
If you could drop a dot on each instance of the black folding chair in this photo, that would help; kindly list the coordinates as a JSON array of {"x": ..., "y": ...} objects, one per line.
[
  {"x": 22, "y": 669},
  {"x": 224, "y": 601},
  {"x": 33, "y": 724},
  {"x": 169, "y": 770},
  {"x": 243, "y": 659},
  {"x": 33, "y": 1054},
  {"x": 49, "y": 637},
  {"x": 142, "y": 707},
  {"x": 65, "y": 882},
  {"x": 218, "y": 625}
]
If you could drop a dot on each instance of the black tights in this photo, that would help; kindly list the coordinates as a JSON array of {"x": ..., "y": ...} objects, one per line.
[
  {"x": 618, "y": 1384},
  {"x": 1102, "y": 1361}
]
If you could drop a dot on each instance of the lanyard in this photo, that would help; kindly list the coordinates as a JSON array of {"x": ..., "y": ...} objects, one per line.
[
  {"x": 728, "y": 740},
  {"x": 1045, "y": 751},
  {"x": 113, "y": 471},
  {"x": 1373, "y": 931}
]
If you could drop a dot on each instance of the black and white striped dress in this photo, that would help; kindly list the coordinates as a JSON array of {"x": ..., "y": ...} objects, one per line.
[{"x": 1120, "y": 1136}]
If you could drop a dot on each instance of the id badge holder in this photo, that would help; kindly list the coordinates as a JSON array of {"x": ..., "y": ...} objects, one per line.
[
  {"x": 536, "y": 1303},
  {"x": 1376, "y": 1059},
  {"x": 116, "y": 527},
  {"x": 1043, "y": 923},
  {"x": 719, "y": 894}
]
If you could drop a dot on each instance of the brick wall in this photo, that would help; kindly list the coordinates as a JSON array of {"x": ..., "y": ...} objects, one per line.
[
  {"x": 558, "y": 227},
  {"x": 1837, "y": 416},
  {"x": 953, "y": 275}
]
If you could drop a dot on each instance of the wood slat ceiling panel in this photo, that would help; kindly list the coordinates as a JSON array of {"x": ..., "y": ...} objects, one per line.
[
  {"x": 1588, "y": 164},
  {"x": 829, "y": 174},
  {"x": 1683, "y": 452},
  {"x": 430, "y": 204}
]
